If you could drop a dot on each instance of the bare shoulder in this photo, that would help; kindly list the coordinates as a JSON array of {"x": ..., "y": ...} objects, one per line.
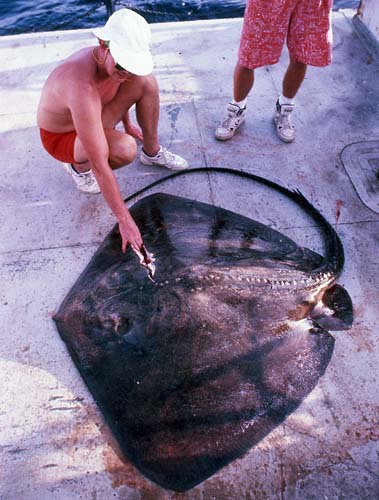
[
  {"x": 69, "y": 86},
  {"x": 74, "y": 75}
]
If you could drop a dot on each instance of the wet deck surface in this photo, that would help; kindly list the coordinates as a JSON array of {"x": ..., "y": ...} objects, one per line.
[{"x": 54, "y": 443}]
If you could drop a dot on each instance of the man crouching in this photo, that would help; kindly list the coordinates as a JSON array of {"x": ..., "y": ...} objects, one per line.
[{"x": 84, "y": 99}]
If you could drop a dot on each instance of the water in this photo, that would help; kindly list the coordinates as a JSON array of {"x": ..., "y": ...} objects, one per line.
[{"x": 25, "y": 16}]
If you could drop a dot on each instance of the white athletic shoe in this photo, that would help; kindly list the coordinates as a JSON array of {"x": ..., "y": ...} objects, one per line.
[
  {"x": 84, "y": 182},
  {"x": 226, "y": 129},
  {"x": 283, "y": 122},
  {"x": 164, "y": 158}
]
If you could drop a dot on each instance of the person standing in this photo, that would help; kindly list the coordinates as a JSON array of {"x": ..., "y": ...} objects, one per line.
[{"x": 306, "y": 26}]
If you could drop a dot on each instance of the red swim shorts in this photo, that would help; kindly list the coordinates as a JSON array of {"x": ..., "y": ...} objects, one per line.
[
  {"x": 305, "y": 23},
  {"x": 60, "y": 146}
]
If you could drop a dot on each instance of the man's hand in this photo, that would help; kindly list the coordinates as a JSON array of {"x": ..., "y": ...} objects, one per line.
[
  {"x": 130, "y": 234},
  {"x": 133, "y": 130}
]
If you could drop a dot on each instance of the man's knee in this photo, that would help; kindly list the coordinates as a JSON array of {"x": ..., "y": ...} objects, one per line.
[
  {"x": 150, "y": 85},
  {"x": 123, "y": 151}
]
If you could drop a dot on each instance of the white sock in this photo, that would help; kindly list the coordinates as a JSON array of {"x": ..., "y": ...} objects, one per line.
[
  {"x": 286, "y": 100},
  {"x": 240, "y": 104},
  {"x": 79, "y": 173},
  {"x": 156, "y": 154}
]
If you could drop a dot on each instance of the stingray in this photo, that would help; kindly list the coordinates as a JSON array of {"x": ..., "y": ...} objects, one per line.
[{"x": 193, "y": 369}]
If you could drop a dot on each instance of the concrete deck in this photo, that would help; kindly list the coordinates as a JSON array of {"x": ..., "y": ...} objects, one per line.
[{"x": 54, "y": 443}]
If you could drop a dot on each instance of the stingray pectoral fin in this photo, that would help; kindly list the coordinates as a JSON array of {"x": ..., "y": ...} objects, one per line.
[{"x": 335, "y": 309}]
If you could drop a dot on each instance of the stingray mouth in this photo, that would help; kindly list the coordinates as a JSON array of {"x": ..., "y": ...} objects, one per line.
[{"x": 256, "y": 279}]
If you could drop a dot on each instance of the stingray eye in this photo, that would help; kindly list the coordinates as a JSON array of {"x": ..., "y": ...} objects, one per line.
[
  {"x": 122, "y": 324},
  {"x": 116, "y": 323}
]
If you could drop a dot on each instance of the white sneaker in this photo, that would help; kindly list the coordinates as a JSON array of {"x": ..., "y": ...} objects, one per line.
[
  {"x": 84, "y": 182},
  {"x": 164, "y": 158},
  {"x": 236, "y": 117},
  {"x": 283, "y": 122}
]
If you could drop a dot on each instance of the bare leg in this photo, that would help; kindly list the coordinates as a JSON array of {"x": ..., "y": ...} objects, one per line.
[
  {"x": 292, "y": 81},
  {"x": 128, "y": 94},
  {"x": 122, "y": 151},
  {"x": 293, "y": 78},
  {"x": 147, "y": 113},
  {"x": 243, "y": 82},
  {"x": 144, "y": 93}
]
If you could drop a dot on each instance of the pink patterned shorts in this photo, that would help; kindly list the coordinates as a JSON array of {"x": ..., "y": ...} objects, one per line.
[{"x": 305, "y": 23}]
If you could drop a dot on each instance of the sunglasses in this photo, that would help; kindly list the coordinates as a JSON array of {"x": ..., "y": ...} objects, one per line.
[{"x": 119, "y": 68}]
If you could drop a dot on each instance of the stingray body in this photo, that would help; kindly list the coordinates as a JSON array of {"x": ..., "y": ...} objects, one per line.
[{"x": 193, "y": 369}]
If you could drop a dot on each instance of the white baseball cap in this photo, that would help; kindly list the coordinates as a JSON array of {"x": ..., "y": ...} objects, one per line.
[{"x": 129, "y": 38}]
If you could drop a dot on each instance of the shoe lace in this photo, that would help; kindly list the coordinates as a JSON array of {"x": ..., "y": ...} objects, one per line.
[
  {"x": 285, "y": 118},
  {"x": 231, "y": 119},
  {"x": 88, "y": 179},
  {"x": 166, "y": 154}
]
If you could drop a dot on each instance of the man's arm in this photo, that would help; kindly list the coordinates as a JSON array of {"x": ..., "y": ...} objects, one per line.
[{"x": 86, "y": 109}]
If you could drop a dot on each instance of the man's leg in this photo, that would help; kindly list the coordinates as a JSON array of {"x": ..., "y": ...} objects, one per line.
[
  {"x": 292, "y": 81},
  {"x": 122, "y": 151},
  {"x": 147, "y": 114},
  {"x": 293, "y": 78},
  {"x": 312, "y": 46},
  {"x": 243, "y": 82},
  {"x": 144, "y": 93}
]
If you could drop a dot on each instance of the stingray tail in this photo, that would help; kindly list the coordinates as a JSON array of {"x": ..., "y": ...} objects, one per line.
[{"x": 334, "y": 257}]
